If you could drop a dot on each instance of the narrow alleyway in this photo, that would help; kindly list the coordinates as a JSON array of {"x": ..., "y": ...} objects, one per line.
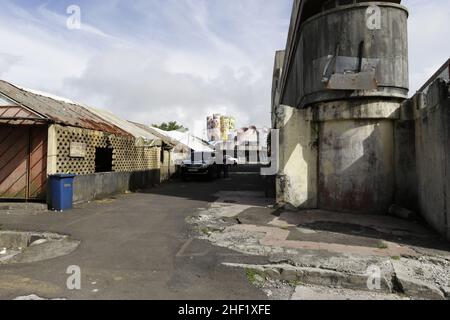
[
  {"x": 135, "y": 246},
  {"x": 225, "y": 240}
]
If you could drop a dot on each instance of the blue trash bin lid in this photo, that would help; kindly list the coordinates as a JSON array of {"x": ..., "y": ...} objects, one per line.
[{"x": 63, "y": 176}]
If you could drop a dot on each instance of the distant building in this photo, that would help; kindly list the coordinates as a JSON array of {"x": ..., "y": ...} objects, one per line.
[
  {"x": 220, "y": 127},
  {"x": 248, "y": 145},
  {"x": 213, "y": 128}
]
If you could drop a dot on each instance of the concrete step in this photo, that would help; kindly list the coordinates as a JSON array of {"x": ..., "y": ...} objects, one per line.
[
  {"x": 397, "y": 282},
  {"x": 305, "y": 293},
  {"x": 316, "y": 276}
]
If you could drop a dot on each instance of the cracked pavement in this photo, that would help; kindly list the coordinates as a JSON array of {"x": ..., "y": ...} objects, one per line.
[
  {"x": 135, "y": 246},
  {"x": 327, "y": 252},
  {"x": 186, "y": 240}
]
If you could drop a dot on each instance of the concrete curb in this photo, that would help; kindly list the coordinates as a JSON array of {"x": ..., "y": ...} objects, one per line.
[
  {"x": 398, "y": 282},
  {"x": 415, "y": 287},
  {"x": 35, "y": 207},
  {"x": 316, "y": 276}
]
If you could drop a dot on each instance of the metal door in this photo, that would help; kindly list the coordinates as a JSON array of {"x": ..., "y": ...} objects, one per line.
[
  {"x": 23, "y": 162},
  {"x": 37, "y": 170}
]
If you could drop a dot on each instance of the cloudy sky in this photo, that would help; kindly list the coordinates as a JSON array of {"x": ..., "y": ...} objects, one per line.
[{"x": 161, "y": 60}]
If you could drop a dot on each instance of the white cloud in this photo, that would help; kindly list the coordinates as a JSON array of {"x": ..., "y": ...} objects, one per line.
[
  {"x": 181, "y": 63},
  {"x": 153, "y": 61},
  {"x": 7, "y": 61},
  {"x": 43, "y": 56},
  {"x": 137, "y": 85},
  {"x": 429, "y": 31},
  {"x": 196, "y": 73}
]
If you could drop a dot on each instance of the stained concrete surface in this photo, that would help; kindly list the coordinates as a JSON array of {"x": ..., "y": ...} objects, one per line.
[
  {"x": 15, "y": 208},
  {"x": 328, "y": 249},
  {"x": 135, "y": 246},
  {"x": 320, "y": 293}
]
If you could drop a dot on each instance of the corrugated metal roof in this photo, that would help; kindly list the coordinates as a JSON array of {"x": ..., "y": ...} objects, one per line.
[
  {"x": 184, "y": 138},
  {"x": 187, "y": 139},
  {"x": 167, "y": 140},
  {"x": 58, "y": 110},
  {"x": 125, "y": 125}
]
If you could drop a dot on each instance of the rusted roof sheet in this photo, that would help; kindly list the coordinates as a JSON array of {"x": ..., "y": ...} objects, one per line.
[
  {"x": 58, "y": 111},
  {"x": 128, "y": 126}
]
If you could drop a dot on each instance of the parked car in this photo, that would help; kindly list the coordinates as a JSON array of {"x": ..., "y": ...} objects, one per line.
[
  {"x": 231, "y": 161},
  {"x": 200, "y": 164}
]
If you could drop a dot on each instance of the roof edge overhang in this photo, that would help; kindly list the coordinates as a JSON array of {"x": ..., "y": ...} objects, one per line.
[
  {"x": 91, "y": 123},
  {"x": 38, "y": 116}
]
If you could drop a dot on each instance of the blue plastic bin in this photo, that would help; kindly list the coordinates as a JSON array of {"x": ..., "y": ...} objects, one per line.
[{"x": 61, "y": 191}]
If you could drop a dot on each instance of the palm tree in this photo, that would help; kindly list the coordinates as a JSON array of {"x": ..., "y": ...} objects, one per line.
[{"x": 171, "y": 126}]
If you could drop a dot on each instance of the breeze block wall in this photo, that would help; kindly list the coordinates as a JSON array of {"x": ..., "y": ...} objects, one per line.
[
  {"x": 126, "y": 156},
  {"x": 133, "y": 168}
]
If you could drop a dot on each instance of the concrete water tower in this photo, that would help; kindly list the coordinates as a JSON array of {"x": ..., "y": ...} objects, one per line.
[{"x": 346, "y": 72}]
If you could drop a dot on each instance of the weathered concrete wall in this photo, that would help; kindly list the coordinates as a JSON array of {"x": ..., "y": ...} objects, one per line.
[
  {"x": 167, "y": 166},
  {"x": 405, "y": 160},
  {"x": 102, "y": 185},
  {"x": 432, "y": 113},
  {"x": 276, "y": 83},
  {"x": 338, "y": 155},
  {"x": 356, "y": 154},
  {"x": 297, "y": 180},
  {"x": 349, "y": 86},
  {"x": 356, "y": 166}
]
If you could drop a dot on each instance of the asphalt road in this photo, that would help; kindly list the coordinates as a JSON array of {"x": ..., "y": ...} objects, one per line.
[{"x": 135, "y": 246}]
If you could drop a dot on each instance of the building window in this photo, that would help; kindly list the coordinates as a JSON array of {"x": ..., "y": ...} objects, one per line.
[{"x": 103, "y": 159}]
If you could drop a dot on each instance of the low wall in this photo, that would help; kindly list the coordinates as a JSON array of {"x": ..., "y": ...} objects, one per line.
[
  {"x": 296, "y": 182},
  {"x": 432, "y": 113},
  {"x": 167, "y": 173},
  {"x": 102, "y": 185}
]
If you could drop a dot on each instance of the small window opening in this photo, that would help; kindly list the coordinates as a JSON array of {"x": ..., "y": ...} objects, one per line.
[{"x": 103, "y": 160}]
